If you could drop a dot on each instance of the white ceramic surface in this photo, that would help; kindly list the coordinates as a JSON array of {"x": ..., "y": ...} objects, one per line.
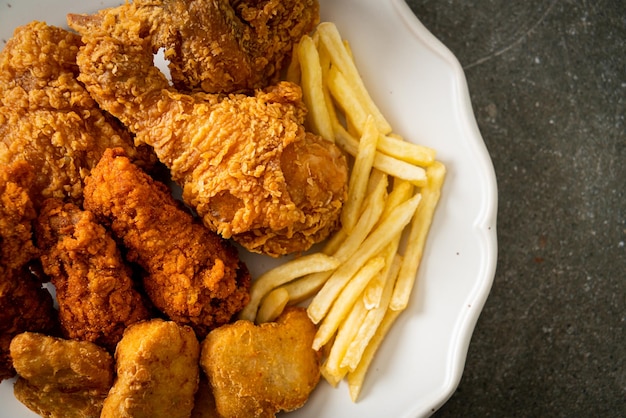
[{"x": 421, "y": 89}]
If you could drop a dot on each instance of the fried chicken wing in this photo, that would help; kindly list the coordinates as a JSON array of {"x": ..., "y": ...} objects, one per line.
[
  {"x": 48, "y": 119},
  {"x": 24, "y": 304},
  {"x": 61, "y": 378},
  {"x": 157, "y": 372},
  {"x": 94, "y": 288},
  {"x": 259, "y": 370},
  {"x": 245, "y": 163},
  {"x": 193, "y": 275}
]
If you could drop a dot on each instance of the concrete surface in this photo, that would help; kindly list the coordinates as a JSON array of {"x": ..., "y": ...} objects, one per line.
[{"x": 548, "y": 85}]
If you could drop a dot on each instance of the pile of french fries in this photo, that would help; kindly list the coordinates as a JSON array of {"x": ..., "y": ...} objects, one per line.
[{"x": 363, "y": 277}]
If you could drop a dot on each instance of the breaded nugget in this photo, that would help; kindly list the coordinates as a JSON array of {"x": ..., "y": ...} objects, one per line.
[
  {"x": 61, "y": 378},
  {"x": 259, "y": 370},
  {"x": 157, "y": 372},
  {"x": 94, "y": 287}
]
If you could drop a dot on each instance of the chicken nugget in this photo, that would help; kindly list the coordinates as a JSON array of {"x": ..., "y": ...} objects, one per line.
[
  {"x": 259, "y": 370},
  {"x": 157, "y": 372},
  {"x": 61, "y": 378}
]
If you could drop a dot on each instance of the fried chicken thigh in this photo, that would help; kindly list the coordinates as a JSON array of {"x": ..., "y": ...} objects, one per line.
[
  {"x": 24, "y": 304},
  {"x": 94, "y": 288},
  {"x": 193, "y": 276},
  {"x": 48, "y": 119},
  {"x": 245, "y": 163}
]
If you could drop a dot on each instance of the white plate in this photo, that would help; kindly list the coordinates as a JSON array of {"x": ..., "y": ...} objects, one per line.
[{"x": 421, "y": 89}]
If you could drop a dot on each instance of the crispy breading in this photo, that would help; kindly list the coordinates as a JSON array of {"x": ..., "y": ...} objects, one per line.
[
  {"x": 219, "y": 46},
  {"x": 61, "y": 378},
  {"x": 24, "y": 304},
  {"x": 48, "y": 118},
  {"x": 157, "y": 372},
  {"x": 94, "y": 288},
  {"x": 193, "y": 275},
  {"x": 259, "y": 370},
  {"x": 245, "y": 163}
]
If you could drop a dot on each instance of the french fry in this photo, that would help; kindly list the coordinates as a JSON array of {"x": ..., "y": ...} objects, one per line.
[
  {"x": 420, "y": 225},
  {"x": 342, "y": 59},
  {"x": 357, "y": 377},
  {"x": 353, "y": 109},
  {"x": 360, "y": 175},
  {"x": 402, "y": 191},
  {"x": 313, "y": 90},
  {"x": 305, "y": 287},
  {"x": 272, "y": 305},
  {"x": 373, "y": 293},
  {"x": 406, "y": 151},
  {"x": 345, "y": 333},
  {"x": 282, "y": 274},
  {"x": 345, "y": 299},
  {"x": 371, "y": 321},
  {"x": 379, "y": 237},
  {"x": 390, "y": 165}
]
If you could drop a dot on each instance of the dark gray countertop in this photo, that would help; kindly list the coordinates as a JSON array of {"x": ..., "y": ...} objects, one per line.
[{"x": 547, "y": 80}]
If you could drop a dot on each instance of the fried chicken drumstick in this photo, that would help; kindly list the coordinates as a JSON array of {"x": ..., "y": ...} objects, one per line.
[
  {"x": 245, "y": 163},
  {"x": 94, "y": 288},
  {"x": 193, "y": 276}
]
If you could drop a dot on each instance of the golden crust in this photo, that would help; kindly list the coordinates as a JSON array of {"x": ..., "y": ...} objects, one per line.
[
  {"x": 259, "y": 370},
  {"x": 157, "y": 372}
]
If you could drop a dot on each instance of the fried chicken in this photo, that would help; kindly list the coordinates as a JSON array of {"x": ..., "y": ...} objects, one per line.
[
  {"x": 48, "y": 119},
  {"x": 221, "y": 46},
  {"x": 61, "y": 378},
  {"x": 157, "y": 372},
  {"x": 24, "y": 304},
  {"x": 94, "y": 287},
  {"x": 245, "y": 163},
  {"x": 259, "y": 370},
  {"x": 193, "y": 275}
]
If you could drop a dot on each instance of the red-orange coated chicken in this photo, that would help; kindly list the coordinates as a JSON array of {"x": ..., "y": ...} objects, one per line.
[{"x": 193, "y": 276}]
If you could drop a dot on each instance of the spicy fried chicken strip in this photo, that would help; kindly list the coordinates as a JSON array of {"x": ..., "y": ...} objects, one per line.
[
  {"x": 193, "y": 275},
  {"x": 245, "y": 163},
  {"x": 48, "y": 118},
  {"x": 61, "y": 378},
  {"x": 24, "y": 304},
  {"x": 94, "y": 287},
  {"x": 260, "y": 370},
  {"x": 157, "y": 372}
]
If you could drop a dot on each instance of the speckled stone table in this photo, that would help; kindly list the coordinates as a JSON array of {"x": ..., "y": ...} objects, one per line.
[{"x": 547, "y": 80}]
